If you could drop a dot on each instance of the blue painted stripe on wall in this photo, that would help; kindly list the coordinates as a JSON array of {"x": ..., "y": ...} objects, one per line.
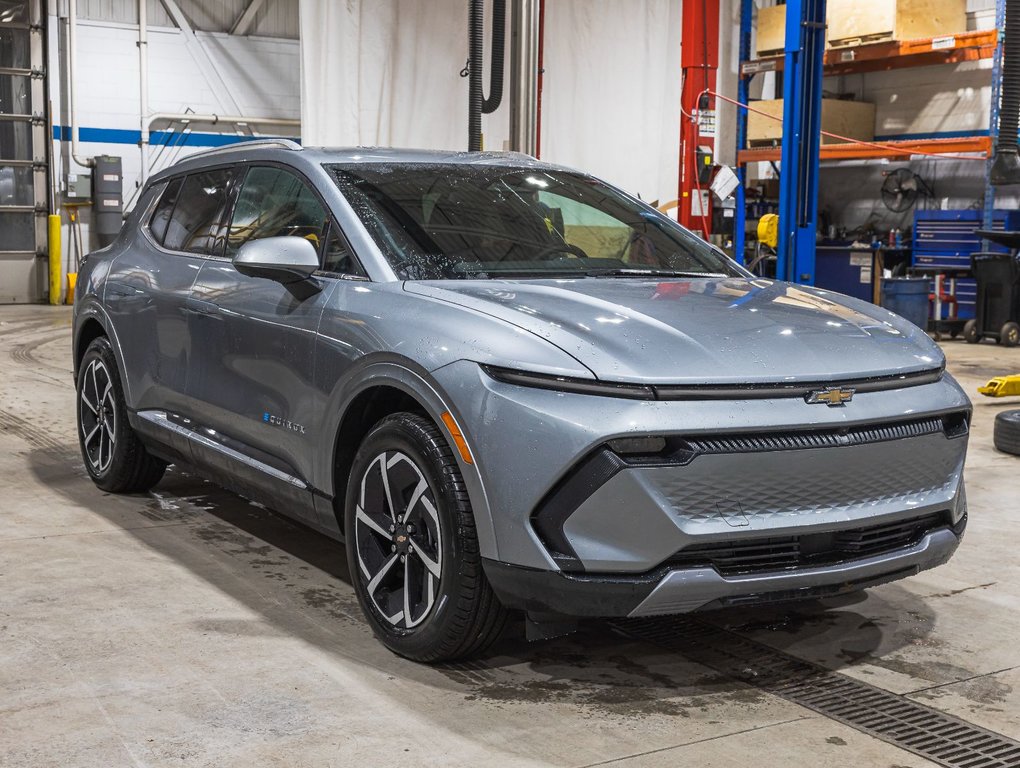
[
  {"x": 927, "y": 136},
  {"x": 156, "y": 138}
]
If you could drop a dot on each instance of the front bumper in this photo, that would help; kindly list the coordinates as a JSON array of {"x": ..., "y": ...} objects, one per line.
[
  {"x": 685, "y": 590},
  {"x": 529, "y": 445}
]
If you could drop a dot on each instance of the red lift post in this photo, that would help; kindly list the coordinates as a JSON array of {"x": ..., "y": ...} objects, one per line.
[{"x": 699, "y": 61}]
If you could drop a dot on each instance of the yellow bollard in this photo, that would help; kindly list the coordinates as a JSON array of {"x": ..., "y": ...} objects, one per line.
[{"x": 56, "y": 257}]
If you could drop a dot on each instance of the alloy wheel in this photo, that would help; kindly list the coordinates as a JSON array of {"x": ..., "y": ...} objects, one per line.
[
  {"x": 98, "y": 416},
  {"x": 398, "y": 540}
]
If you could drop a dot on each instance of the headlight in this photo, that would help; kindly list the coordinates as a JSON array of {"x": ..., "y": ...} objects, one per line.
[{"x": 569, "y": 384}]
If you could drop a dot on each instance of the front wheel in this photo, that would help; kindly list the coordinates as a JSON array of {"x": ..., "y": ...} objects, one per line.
[
  {"x": 412, "y": 547},
  {"x": 114, "y": 457},
  {"x": 970, "y": 332}
]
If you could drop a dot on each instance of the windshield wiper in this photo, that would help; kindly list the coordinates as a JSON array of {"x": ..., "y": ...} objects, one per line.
[{"x": 637, "y": 272}]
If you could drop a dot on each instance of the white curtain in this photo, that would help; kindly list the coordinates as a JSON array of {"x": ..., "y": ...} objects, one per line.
[
  {"x": 386, "y": 73},
  {"x": 611, "y": 95}
]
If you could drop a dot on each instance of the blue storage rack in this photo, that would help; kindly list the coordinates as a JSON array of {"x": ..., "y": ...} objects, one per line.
[{"x": 944, "y": 241}]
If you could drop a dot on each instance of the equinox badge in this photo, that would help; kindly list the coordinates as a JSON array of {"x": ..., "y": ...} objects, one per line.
[{"x": 831, "y": 396}]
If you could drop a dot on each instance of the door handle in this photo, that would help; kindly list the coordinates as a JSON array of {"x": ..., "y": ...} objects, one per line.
[{"x": 199, "y": 307}]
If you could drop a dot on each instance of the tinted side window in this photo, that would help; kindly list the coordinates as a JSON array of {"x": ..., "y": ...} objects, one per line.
[
  {"x": 337, "y": 256},
  {"x": 275, "y": 203},
  {"x": 161, "y": 216},
  {"x": 196, "y": 225}
]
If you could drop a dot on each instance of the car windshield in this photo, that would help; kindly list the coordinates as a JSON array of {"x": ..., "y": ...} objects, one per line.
[{"x": 459, "y": 221}]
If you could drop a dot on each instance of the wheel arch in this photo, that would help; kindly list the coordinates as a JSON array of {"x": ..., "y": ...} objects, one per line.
[
  {"x": 91, "y": 329},
  {"x": 91, "y": 322},
  {"x": 387, "y": 388}
]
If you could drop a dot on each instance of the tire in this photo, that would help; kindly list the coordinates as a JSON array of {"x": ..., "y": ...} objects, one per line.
[
  {"x": 115, "y": 459},
  {"x": 454, "y": 616},
  {"x": 1006, "y": 436},
  {"x": 970, "y": 332},
  {"x": 1010, "y": 334}
]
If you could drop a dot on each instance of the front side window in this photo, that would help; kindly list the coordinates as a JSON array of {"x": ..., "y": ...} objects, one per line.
[
  {"x": 466, "y": 221},
  {"x": 196, "y": 225},
  {"x": 275, "y": 203}
]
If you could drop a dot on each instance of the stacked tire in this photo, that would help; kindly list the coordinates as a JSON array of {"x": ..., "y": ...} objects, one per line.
[{"x": 1006, "y": 436}]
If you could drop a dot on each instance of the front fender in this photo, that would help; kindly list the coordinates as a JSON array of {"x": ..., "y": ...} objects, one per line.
[{"x": 418, "y": 383}]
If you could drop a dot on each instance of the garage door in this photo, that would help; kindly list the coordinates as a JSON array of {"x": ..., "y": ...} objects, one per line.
[{"x": 23, "y": 174}]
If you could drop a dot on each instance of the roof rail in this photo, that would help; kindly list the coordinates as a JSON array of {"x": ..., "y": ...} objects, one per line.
[{"x": 254, "y": 144}]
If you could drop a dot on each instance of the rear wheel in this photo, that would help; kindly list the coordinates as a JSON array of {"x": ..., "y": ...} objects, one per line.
[
  {"x": 970, "y": 332},
  {"x": 412, "y": 547},
  {"x": 1010, "y": 334},
  {"x": 114, "y": 457}
]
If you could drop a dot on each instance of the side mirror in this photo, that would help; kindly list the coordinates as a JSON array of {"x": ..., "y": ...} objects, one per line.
[{"x": 286, "y": 260}]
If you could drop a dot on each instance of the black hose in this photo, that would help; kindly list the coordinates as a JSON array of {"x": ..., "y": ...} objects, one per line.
[
  {"x": 495, "y": 97},
  {"x": 1006, "y": 166},
  {"x": 1009, "y": 114},
  {"x": 476, "y": 27}
]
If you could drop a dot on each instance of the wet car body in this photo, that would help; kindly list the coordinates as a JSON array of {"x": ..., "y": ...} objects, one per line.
[{"x": 639, "y": 444}]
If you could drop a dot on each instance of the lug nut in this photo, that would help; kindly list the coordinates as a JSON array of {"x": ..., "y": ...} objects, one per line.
[
  {"x": 410, "y": 529},
  {"x": 393, "y": 547},
  {"x": 410, "y": 548},
  {"x": 403, "y": 558},
  {"x": 393, "y": 528}
]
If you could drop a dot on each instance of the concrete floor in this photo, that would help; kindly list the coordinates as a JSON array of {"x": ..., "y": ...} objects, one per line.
[{"x": 189, "y": 627}]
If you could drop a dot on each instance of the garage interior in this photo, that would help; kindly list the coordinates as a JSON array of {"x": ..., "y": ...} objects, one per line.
[{"x": 866, "y": 148}]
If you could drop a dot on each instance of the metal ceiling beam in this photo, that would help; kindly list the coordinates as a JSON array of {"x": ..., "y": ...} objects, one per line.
[
  {"x": 202, "y": 58},
  {"x": 247, "y": 17}
]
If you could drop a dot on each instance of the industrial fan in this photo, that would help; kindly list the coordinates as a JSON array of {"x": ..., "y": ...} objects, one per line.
[{"x": 900, "y": 188}]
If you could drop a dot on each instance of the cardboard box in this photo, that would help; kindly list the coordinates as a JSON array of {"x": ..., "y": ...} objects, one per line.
[
  {"x": 771, "y": 30},
  {"x": 853, "y": 119},
  {"x": 855, "y": 22}
]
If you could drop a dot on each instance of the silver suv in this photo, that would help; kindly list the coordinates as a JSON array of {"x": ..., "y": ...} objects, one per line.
[{"x": 506, "y": 385}]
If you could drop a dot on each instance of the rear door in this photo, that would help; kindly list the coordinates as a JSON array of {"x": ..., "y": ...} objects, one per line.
[
  {"x": 252, "y": 378},
  {"x": 149, "y": 285}
]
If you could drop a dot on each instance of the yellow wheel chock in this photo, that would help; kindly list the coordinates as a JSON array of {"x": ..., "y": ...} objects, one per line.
[{"x": 1002, "y": 386}]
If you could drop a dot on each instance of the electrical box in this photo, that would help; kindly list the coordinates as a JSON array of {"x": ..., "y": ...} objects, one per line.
[
  {"x": 108, "y": 198},
  {"x": 78, "y": 186},
  {"x": 706, "y": 164}
]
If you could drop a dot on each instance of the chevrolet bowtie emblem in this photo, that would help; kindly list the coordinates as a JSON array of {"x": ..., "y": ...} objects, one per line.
[{"x": 831, "y": 396}]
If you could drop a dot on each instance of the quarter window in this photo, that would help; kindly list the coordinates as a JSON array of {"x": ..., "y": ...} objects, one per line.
[
  {"x": 338, "y": 257},
  {"x": 161, "y": 217},
  {"x": 196, "y": 225},
  {"x": 275, "y": 203}
]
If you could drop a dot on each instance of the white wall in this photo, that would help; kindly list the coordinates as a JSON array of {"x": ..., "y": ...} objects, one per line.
[{"x": 261, "y": 74}]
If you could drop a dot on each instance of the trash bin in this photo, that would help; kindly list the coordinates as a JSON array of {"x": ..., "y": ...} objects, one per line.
[
  {"x": 998, "y": 294},
  {"x": 908, "y": 298}
]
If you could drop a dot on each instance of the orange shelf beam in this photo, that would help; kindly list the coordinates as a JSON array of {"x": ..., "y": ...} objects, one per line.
[
  {"x": 981, "y": 145},
  {"x": 880, "y": 57}
]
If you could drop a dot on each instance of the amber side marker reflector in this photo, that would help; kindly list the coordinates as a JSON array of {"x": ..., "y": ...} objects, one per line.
[{"x": 458, "y": 438}]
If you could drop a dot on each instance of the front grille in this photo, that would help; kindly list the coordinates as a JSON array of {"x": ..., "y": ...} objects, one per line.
[
  {"x": 832, "y": 438},
  {"x": 808, "y": 550}
]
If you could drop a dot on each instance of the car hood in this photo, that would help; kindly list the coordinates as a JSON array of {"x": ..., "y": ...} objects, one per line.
[{"x": 715, "y": 330}]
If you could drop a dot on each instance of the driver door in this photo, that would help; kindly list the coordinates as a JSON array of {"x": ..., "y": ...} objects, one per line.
[{"x": 252, "y": 383}]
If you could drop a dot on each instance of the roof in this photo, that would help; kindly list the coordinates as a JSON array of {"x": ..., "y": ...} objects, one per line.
[{"x": 285, "y": 150}]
